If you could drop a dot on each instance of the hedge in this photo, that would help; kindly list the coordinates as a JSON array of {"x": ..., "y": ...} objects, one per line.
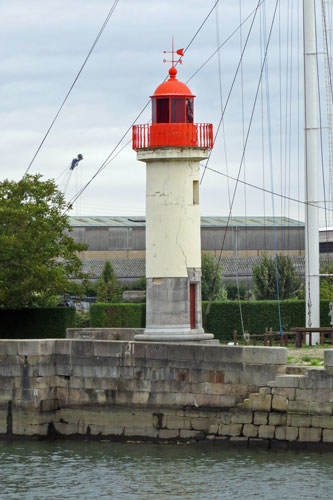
[
  {"x": 36, "y": 323},
  {"x": 117, "y": 315},
  {"x": 223, "y": 318}
]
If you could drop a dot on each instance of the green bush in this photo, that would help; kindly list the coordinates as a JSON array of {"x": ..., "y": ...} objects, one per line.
[
  {"x": 222, "y": 320},
  {"x": 36, "y": 323},
  {"x": 108, "y": 289},
  {"x": 211, "y": 279},
  {"x": 139, "y": 284},
  {"x": 117, "y": 315},
  {"x": 82, "y": 320},
  {"x": 235, "y": 292},
  {"x": 224, "y": 317},
  {"x": 264, "y": 277}
]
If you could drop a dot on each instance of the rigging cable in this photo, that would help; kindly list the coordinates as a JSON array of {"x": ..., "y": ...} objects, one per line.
[
  {"x": 290, "y": 114},
  {"x": 262, "y": 133},
  {"x": 243, "y": 139},
  {"x": 322, "y": 169},
  {"x": 225, "y": 41},
  {"x": 245, "y": 335},
  {"x": 285, "y": 132},
  {"x": 245, "y": 145},
  {"x": 329, "y": 97},
  {"x": 109, "y": 159},
  {"x": 270, "y": 156},
  {"x": 231, "y": 88},
  {"x": 62, "y": 173},
  {"x": 268, "y": 191},
  {"x": 226, "y": 158},
  {"x": 243, "y": 117},
  {"x": 111, "y": 11},
  {"x": 201, "y": 26},
  {"x": 221, "y": 96},
  {"x": 298, "y": 115}
]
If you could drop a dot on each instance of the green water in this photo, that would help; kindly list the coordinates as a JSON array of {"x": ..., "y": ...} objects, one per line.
[{"x": 124, "y": 471}]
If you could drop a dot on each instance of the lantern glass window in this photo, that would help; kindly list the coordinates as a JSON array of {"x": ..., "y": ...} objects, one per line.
[
  {"x": 178, "y": 110},
  {"x": 162, "y": 110},
  {"x": 189, "y": 110},
  {"x": 153, "y": 109}
]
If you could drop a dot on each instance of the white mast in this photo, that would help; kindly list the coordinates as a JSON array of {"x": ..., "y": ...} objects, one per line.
[{"x": 311, "y": 175}]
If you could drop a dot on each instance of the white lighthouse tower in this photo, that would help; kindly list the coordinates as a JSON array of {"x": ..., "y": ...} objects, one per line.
[{"x": 172, "y": 147}]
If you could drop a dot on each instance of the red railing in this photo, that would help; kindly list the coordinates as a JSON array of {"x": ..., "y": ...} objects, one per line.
[{"x": 159, "y": 135}]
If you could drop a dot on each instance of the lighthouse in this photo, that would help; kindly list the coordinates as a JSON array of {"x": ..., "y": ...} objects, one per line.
[{"x": 172, "y": 146}]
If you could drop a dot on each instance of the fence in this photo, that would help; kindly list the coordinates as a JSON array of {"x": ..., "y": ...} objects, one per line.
[
  {"x": 300, "y": 336},
  {"x": 157, "y": 135}
]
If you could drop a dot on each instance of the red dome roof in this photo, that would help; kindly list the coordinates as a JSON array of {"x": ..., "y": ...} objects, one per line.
[{"x": 173, "y": 87}]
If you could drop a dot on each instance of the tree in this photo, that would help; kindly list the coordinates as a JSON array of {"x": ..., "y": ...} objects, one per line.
[
  {"x": 326, "y": 282},
  {"x": 264, "y": 277},
  {"x": 108, "y": 289},
  {"x": 211, "y": 279},
  {"x": 37, "y": 257},
  {"x": 237, "y": 291},
  {"x": 140, "y": 284}
]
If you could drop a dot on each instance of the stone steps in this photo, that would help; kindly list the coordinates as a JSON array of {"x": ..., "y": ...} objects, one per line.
[
  {"x": 286, "y": 381},
  {"x": 295, "y": 370}
]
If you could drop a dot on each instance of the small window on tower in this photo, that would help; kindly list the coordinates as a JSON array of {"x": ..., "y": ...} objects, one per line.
[{"x": 195, "y": 192}]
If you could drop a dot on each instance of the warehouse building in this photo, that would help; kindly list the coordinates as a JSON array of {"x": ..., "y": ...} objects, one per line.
[{"x": 122, "y": 241}]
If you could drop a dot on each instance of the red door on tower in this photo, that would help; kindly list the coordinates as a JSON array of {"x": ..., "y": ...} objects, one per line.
[{"x": 192, "y": 306}]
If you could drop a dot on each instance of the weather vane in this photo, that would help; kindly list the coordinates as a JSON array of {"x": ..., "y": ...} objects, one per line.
[{"x": 180, "y": 52}]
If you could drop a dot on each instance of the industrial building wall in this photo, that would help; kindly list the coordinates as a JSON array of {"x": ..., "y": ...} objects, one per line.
[{"x": 129, "y": 242}]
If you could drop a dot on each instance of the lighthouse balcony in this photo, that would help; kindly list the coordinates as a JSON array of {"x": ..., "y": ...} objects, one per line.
[{"x": 180, "y": 135}]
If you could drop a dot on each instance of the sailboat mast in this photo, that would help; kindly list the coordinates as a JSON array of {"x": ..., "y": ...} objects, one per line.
[{"x": 311, "y": 174}]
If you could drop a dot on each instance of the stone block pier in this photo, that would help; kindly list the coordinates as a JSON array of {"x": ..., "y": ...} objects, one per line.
[{"x": 127, "y": 390}]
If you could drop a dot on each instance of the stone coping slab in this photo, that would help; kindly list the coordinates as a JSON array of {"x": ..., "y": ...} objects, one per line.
[
  {"x": 103, "y": 333},
  {"x": 168, "y": 350}
]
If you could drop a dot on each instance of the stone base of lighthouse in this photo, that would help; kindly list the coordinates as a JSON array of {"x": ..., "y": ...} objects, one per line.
[{"x": 174, "y": 309}]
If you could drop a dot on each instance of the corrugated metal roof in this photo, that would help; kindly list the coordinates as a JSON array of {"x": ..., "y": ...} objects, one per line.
[
  {"x": 110, "y": 221},
  {"x": 78, "y": 221},
  {"x": 124, "y": 268},
  {"x": 258, "y": 221}
]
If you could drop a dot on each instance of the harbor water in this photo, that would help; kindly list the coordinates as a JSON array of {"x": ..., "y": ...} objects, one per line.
[{"x": 131, "y": 471}]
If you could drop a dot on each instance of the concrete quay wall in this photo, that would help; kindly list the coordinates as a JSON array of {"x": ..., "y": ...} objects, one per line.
[{"x": 161, "y": 391}]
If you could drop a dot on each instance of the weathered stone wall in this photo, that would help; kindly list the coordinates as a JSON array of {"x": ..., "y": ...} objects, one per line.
[
  {"x": 293, "y": 408},
  {"x": 137, "y": 390},
  {"x": 122, "y": 387}
]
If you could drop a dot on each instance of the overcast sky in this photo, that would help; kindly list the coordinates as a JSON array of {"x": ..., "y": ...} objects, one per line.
[{"x": 44, "y": 43}]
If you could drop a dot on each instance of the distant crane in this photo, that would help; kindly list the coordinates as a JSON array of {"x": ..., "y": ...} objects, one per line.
[
  {"x": 75, "y": 161},
  {"x": 69, "y": 172}
]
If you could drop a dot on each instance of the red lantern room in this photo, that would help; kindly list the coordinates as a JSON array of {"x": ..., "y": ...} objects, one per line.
[
  {"x": 172, "y": 101},
  {"x": 172, "y": 120}
]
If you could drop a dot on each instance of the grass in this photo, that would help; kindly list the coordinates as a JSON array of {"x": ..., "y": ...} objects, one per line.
[
  {"x": 307, "y": 355},
  {"x": 316, "y": 362}
]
